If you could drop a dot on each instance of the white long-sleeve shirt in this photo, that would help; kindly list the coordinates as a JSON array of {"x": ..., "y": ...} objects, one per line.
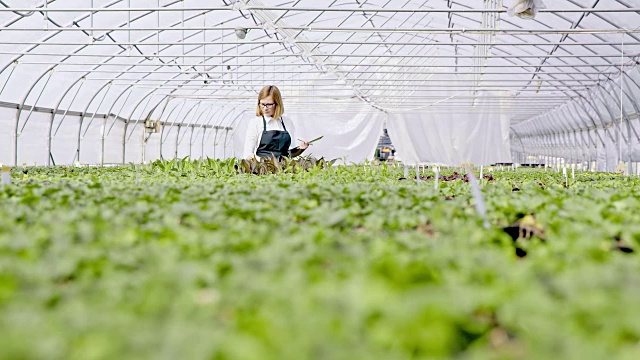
[{"x": 254, "y": 133}]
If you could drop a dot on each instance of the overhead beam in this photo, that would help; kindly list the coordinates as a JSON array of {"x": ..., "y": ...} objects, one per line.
[
  {"x": 519, "y": 31},
  {"x": 329, "y": 42},
  {"x": 306, "y": 9},
  {"x": 286, "y": 55}
]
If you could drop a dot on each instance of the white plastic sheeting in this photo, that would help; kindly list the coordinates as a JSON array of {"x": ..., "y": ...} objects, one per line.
[
  {"x": 94, "y": 75},
  {"x": 601, "y": 125},
  {"x": 101, "y": 141},
  {"x": 450, "y": 139},
  {"x": 349, "y": 138}
]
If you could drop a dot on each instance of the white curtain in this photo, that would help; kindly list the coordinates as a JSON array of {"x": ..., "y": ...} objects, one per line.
[
  {"x": 348, "y": 137},
  {"x": 449, "y": 138}
]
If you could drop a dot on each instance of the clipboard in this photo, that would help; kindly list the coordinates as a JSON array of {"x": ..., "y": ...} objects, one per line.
[{"x": 314, "y": 140}]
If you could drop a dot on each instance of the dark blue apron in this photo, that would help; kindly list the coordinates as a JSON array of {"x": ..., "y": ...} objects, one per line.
[{"x": 274, "y": 142}]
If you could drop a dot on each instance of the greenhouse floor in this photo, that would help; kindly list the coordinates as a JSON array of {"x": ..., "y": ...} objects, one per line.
[{"x": 189, "y": 260}]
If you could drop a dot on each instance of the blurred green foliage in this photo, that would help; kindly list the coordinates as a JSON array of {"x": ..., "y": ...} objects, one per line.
[{"x": 189, "y": 259}]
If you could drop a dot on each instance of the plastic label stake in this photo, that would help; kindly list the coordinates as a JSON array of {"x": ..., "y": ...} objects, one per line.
[
  {"x": 573, "y": 173},
  {"x": 406, "y": 172},
  {"x": 6, "y": 175},
  {"x": 481, "y": 169},
  {"x": 418, "y": 175},
  {"x": 435, "y": 168},
  {"x": 479, "y": 199},
  {"x": 564, "y": 172}
]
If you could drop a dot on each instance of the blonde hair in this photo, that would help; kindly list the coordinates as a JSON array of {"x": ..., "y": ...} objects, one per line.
[{"x": 274, "y": 92}]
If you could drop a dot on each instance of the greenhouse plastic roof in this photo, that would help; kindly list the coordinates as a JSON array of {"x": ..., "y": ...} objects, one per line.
[{"x": 128, "y": 57}]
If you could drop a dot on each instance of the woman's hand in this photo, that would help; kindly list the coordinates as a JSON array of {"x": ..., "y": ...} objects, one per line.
[{"x": 303, "y": 145}]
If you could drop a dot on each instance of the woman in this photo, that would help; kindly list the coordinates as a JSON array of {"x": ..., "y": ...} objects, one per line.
[{"x": 270, "y": 133}]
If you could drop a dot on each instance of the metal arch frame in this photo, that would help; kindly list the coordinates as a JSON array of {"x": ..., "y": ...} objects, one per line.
[
  {"x": 233, "y": 130},
  {"x": 17, "y": 132},
  {"x": 145, "y": 141},
  {"x": 524, "y": 148},
  {"x": 149, "y": 73},
  {"x": 595, "y": 109},
  {"x": 149, "y": 95},
  {"x": 579, "y": 121},
  {"x": 547, "y": 135},
  {"x": 125, "y": 90},
  {"x": 360, "y": 77},
  {"x": 630, "y": 99},
  {"x": 164, "y": 108},
  {"x": 75, "y": 21},
  {"x": 544, "y": 24},
  {"x": 308, "y": 51},
  {"x": 517, "y": 26},
  {"x": 178, "y": 139},
  {"x": 162, "y": 140},
  {"x": 577, "y": 24},
  {"x": 561, "y": 131},
  {"x": 55, "y": 112},
  {"x": 110, "y": 113},
  {"x": 599, "y": 97},
  {"x": 209, "y": 109},
  {"x": 573, "y": 26},
  {"x": 186, "y": 80},
  {"x": 586, "y": 113},
  {"x": 45, "y": 38},
  {"x": 597, "y": 14},
  {"x": 193, "y": 118},
  {"x": 569, "y": 144},
  {"x": 219, "y": 117},
  {"x": 142, "y": 112},
  {"x": 476, "y": 21},
  {"x": 182, "y": 105},
  {"x": 215, "y": 138},
  {"x": 625, "y": 115},
  {"x": 79, "y": 139},
  {"x": 17, "y": 123},
  {"x": 50, "y": 69},
  {"x": 346, "y": 18},
  {"x": 206, "y": 137},
  {"x": 602, "y": 124},
  {"x": 202, "y": 127},
  {"x": 124, "y": 72},
  {"x": 368, "y": 66},
  {"x": 179, "y": 126}
]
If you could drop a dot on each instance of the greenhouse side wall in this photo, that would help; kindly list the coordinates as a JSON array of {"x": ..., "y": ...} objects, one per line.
[
  {"x": 7, "y": 117},
  {"x": 598, "y": 130}
]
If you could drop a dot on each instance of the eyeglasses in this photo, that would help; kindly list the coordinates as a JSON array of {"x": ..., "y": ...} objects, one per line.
[{"x": 267, "y": 105}]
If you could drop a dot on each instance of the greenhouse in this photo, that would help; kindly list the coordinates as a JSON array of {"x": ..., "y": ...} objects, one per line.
[{"x": 296, "y": 179}]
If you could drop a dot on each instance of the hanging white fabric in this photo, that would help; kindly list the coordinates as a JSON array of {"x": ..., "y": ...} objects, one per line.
[
  {"x": 348, "y": 137},
  {"x": 451, "y": 138}
]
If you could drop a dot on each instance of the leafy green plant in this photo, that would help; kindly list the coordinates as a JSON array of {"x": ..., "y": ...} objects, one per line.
[
  {"x": 274, "y": 165},
  {"x": 192, "y": 259}
]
